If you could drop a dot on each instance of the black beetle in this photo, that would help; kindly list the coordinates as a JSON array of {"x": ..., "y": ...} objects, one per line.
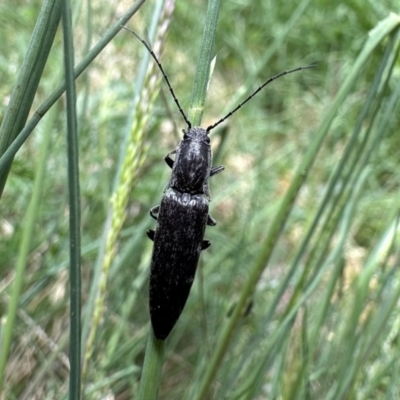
[
  {"x": 178, "y": 241},
  {"x": 182, "y": 216}
]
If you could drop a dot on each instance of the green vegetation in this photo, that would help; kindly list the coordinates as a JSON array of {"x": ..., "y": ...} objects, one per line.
[{"x": 307, "y": 207}]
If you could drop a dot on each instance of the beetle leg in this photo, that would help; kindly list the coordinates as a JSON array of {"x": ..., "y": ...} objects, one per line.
[
  {"x": 211, "y": 221},
  {"x": 150, "y": 234},
  {"x": 169, "y": 160},
  {"x": 154, "y": 211},
  {"x": 216, "y": 170},
  {"x": 205, "y": 245},
  {"x": 213, "y": 171}
]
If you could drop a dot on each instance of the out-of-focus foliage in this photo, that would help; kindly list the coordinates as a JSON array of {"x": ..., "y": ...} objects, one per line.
[{"x": 324, "y": 321}]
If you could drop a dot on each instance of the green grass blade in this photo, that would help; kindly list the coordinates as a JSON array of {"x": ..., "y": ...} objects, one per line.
[
  {"x": 324, "y": 321},
  {"x": 12, "y": 148},
  {"x": 381, "y": 31},
  {"x": 74, "y": 208},
  {"x": 28, "y": 79},
  {"x": 363, "y": 153},
  {"x": 154, "y": 352},
  {"x": 132, "y": 157},
  {"x": 202, "y": 77},
  {"x": 152, "y": 367}
]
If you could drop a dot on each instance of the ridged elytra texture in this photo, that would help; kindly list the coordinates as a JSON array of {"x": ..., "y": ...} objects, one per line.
[{"x": 178, "y": 241}]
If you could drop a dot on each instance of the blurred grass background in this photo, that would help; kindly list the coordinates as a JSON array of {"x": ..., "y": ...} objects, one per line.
[{"x": 324, "y": 321}]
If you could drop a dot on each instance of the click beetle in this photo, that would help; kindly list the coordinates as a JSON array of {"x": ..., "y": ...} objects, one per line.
[
  {"x": 183, "y": 215},
  {"x": 181, "y": 218}
]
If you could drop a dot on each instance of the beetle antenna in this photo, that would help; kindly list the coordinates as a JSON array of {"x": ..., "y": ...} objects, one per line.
[
  {"x": 163, "y": 73},
  {"x": 258, "y": 90}
]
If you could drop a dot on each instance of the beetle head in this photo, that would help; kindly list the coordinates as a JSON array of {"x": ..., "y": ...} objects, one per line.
[{"x": 196, "y": 134}]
